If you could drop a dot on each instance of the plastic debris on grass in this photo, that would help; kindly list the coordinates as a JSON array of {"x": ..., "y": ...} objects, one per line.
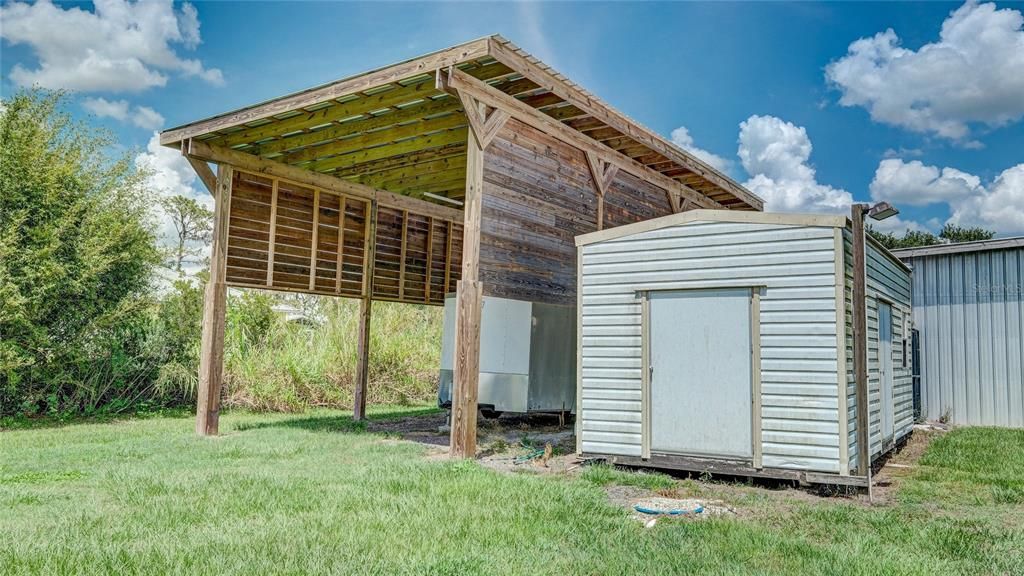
[{"x": 652, "y": 509}]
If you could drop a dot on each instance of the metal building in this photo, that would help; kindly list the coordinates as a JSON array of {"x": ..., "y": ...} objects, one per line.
[
  {"x": 969, "y": 311},
  {"x": 720, "y": 341}
]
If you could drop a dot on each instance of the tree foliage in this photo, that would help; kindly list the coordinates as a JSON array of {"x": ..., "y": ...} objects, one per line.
[
  {"x": 77, "y": 249},
  {"x": 193, "y": 224},
  {"x": 916, "y": 238}
]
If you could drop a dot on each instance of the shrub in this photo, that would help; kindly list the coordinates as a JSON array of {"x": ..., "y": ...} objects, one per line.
[{"x": 77, "y": 250}]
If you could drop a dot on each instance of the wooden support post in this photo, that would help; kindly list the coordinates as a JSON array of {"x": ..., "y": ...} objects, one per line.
[
  {"x": 363, "y": 342},
  {"x": 211, "y": 361},
  {"x": 860, "y": 341},
  {"x": 469, "y": 305},
  {"x": 363, "y": 362}
]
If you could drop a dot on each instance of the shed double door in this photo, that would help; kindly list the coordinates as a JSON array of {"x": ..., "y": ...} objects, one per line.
[{"x": 699, "y": 380}]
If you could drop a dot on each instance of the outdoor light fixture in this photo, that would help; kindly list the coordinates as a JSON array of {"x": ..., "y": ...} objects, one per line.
[
  {"x": 442, "y": 198},
  {"x": 882, "y": 210}
]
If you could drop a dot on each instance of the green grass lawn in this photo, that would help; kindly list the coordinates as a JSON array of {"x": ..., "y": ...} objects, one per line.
[{"x": 314, "y": 494}]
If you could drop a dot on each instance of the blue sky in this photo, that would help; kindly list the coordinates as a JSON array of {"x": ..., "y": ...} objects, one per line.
[{"x": 779, "y": 95}]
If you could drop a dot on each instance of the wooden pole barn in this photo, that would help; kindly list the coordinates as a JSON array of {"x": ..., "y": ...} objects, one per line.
[{"x": 468, "y": 170}]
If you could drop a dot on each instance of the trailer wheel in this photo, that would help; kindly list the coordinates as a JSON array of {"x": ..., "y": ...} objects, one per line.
[{"x": 490, "y": 414}]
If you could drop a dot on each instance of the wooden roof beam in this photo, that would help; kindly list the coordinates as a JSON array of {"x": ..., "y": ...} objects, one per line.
[
  {"x": 249, "y": 163},
  {"x": 507, "y": 53},
  {"x": 464, "y": 83},
  {"x": 440, "y": 59}
]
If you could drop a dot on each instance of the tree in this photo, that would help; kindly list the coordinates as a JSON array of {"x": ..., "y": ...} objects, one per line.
[
  {"x": 193, "y": 224},
  {"x": 915, "y": 238},
  {"x": 954, "y": 233},
  {"x": 77, "y": 252},
  {"x": 910, "y": 238}
]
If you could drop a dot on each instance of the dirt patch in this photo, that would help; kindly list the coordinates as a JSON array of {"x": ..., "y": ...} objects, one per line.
[
  {"x": 424, "y": 429},
  {"x": 901, "y": 463}
]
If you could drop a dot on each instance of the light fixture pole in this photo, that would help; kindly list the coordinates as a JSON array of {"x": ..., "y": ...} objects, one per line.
[{"x": 879, "y": 211}]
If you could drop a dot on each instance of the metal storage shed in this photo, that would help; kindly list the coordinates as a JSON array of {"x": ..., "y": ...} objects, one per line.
[
  {"x": 723, "y": 341},
  {"x": 969, "y": 313}
]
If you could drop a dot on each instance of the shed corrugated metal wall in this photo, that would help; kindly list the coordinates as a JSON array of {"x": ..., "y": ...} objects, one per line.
[
  {"x": 969, "y": 310},
  {"x": 800, "y": 378}
]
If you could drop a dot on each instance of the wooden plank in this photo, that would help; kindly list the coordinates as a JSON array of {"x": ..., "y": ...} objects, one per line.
[
  {"x": 484, "y": 93},
  {"x": 402, "y": 254},
  {"x": 729, "y": 468},
  {"x": 356, "y": 109},
  {"x": 508, "y": 54},
  {"x": 450, "y": 137},
  {"x": 326, "y": 182},
  {"x": 369, "y": 247},
  {"x": 211, "y": 361},
  {"x": 273, "y": 233},
  {"x": 469, "y": 301},
  {"x": 205, "y": 174},
  {"x": 844, "y": 413},
  {"x": 408, "y": 69},
  {"x": 316, "y": 238},
  {"x": 755, "y": 375},
  {"x": 430, "y": 258},
  {"x": 428, "y": 108},
  {"x": 448, "y": 259},
  {"x": 373, "y": 139},
  {"x": 341, "y": 245},
  {"x": 860, "y": 341}
]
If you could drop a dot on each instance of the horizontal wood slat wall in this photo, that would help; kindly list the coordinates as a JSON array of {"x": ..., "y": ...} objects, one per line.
[
  {"x": 287, "y": 236},
  {"x": 539, "y": 194}
]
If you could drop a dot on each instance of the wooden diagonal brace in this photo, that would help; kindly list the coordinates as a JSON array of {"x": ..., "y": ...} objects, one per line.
[
  {"x": 202, "y": 169},
  {"x": 485, "y": 121}
]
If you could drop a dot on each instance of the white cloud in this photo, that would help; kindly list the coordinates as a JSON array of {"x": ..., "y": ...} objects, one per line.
[
  {"x": 169, "y": 174},
  {"x": 974, "y": 73},
  {"x": 141, "y": 116},
  {"x": 912, "y": 183},
  {"x": 122, "y": 46},
  {"x": 146, "y": 117},
  {"x": 775, "y": 154},
  {"x": 998, "y": 207},
  {"x": 899, "y": 226},
  {"x": 681, "y": 137}
]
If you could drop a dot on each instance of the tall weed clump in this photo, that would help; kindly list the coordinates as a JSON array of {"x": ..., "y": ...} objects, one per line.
[{"x": 281, "y": 364}]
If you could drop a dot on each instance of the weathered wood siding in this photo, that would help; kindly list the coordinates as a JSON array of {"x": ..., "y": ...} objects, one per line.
[
  {"x": 538, "y": 196},
  {"x": 302, "y": 235},
  {"x": 798, "y": 330}
]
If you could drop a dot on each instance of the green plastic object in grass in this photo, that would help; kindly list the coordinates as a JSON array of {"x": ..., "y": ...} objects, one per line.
[{"x": 673, "y": 512}]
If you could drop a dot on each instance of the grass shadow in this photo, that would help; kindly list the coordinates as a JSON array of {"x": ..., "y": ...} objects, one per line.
[
  {"x": 21, "y": 422},
  {"x": 337, "y": 422}
]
